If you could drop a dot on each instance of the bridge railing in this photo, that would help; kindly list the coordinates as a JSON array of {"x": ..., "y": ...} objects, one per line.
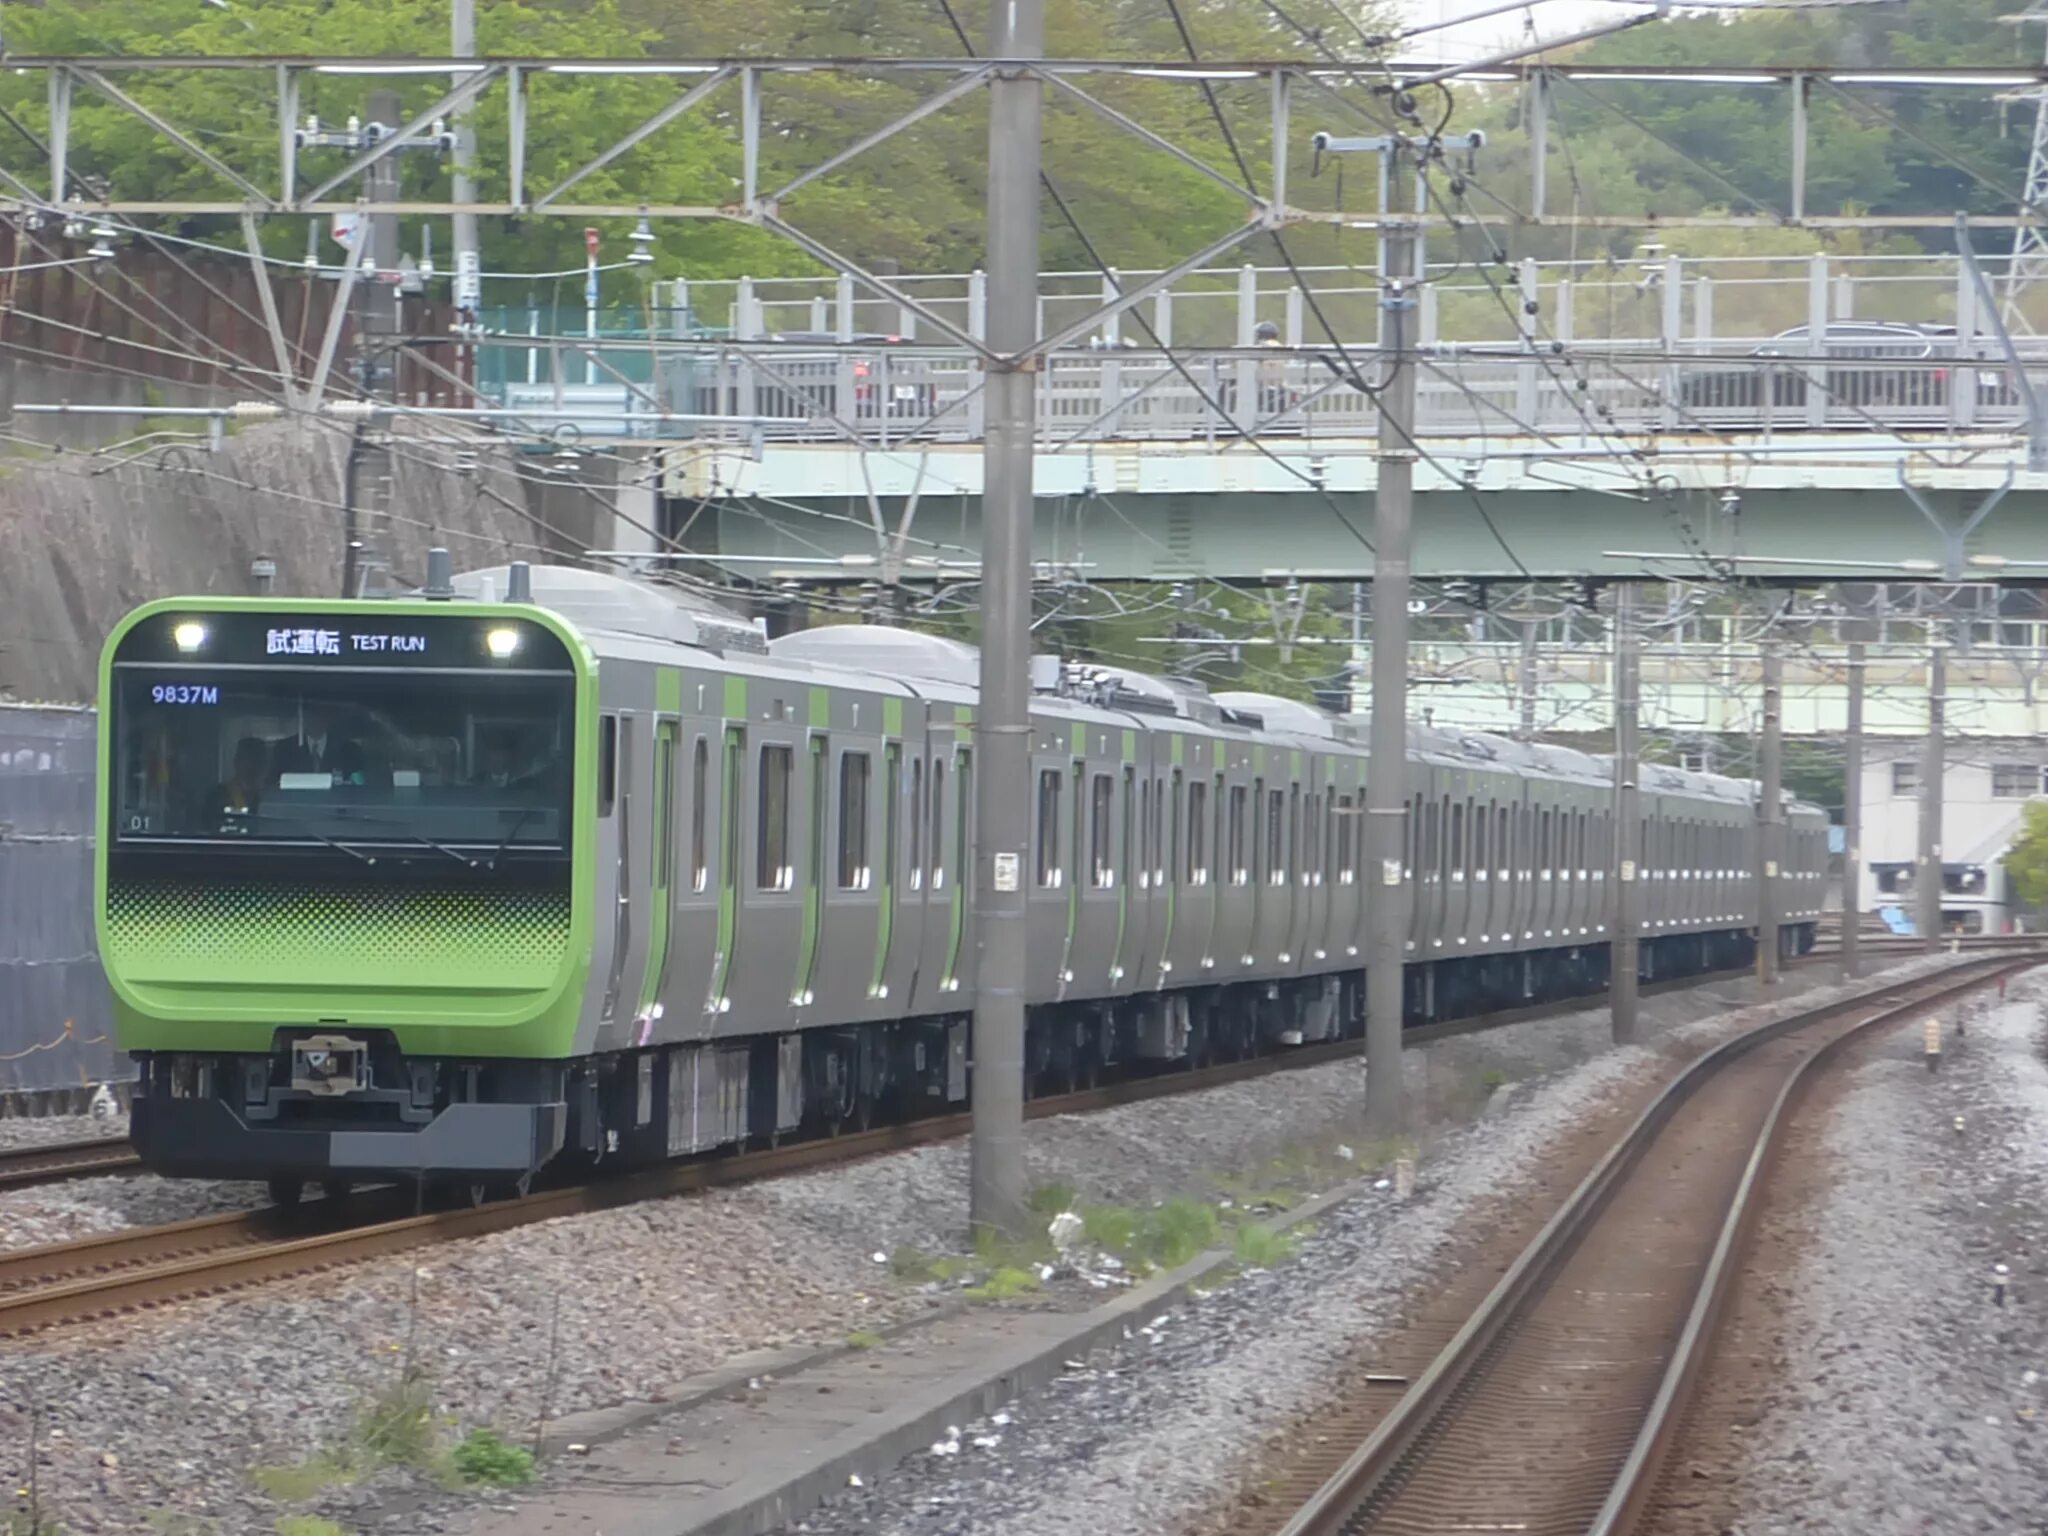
[{"x": 1696, "y": 345}]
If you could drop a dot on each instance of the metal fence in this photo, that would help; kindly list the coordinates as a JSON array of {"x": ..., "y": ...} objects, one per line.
[
  {"x": 1696, "y": 346},
  {"x": 56, "y": 1015}
]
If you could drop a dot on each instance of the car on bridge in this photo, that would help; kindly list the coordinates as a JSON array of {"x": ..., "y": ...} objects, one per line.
[{"x": 1881, "y": 368}]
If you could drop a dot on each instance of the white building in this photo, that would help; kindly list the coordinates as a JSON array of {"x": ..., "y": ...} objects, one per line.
[{"x": 1985, "y": 785}]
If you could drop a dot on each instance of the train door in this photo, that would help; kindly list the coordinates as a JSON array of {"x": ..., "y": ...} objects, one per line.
[
  {"x": 660, "y": 878},
  {"x": 955, "y": 837},
  {"x": 848, "y": 958},
  {"x": 615, "y": 787},
  {"x": 693, "y": 896},
  {"x": 771, "y": 970}
]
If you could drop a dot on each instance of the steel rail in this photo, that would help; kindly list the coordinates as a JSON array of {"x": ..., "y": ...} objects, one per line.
[
  {"x": 119, "y": 1272},
  {"x": 22, "y": 1167},
  {"x": 1385, "y": 1460}
]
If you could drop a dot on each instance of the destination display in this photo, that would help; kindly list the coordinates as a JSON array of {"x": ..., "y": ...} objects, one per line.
[{"x": 202, "y": 638}]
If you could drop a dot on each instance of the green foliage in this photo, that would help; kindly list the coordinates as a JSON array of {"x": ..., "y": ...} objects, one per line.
[
  {"x": 914, "y": 1264},
  {"x": 299, "y": 1481},
  {"x": 1260, "y": 1248},
  {"x": 1493, "y": 1079},
  {"x": 863, "y": 1338},
  {"x": 2026, "y": 862},
  {"x": 396, "y": 1427},
  {"x": 1179, "y": 1230},
  {"x": 309, "y": 1525},
  {"x": 1006, "y": 1284},
  {"x": 1050, "y": 1200},
  {"x": 483, "y": 1459}
]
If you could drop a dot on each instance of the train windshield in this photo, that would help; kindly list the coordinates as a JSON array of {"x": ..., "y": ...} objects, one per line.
[{"x": 369, "y": 762}]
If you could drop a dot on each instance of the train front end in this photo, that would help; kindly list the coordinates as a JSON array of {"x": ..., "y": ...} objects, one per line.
[{"x": 342, "y": 845}]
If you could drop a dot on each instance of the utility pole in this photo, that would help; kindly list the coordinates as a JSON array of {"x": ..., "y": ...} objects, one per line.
[
  {"x": 468, "y": 258},
  {"x": 1852, "y": 819},
  {"x": 381, "y": 327},
  {"x": 1933, "y": 761},
  {"x": 1525, "y": 679},
  {"x": 1386, "y": 782},
  {"x": 1393, "y": 515},
  {"x": 1623, "y": 987},
  {"x": 1002, "y": 724},
  {"x": 1770, "y": 814}
]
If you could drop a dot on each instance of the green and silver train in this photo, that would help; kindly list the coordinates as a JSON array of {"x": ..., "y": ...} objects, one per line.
[{"x": 560, "y": 866}]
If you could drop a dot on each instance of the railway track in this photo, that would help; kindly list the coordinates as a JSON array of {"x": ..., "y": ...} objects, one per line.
[
  {"x": 122, "y": 1272},
  {"x": 22, "y": 1167},
  {"x": 1548, "y": 1411}
]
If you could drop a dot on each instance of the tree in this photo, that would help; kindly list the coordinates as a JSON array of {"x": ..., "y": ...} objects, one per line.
[{"x": 2026, "y": 862}]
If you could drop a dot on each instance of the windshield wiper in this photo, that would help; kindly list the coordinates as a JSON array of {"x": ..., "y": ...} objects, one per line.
[
  {"x": 511, "y": 832},
  {"x": 417, "y": 837},
  {"x": 322, "y": 837}
]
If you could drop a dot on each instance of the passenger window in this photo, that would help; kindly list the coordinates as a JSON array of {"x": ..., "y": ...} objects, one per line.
[
  {"x": 1102, "y": 873},
  {"x": 772, "y": 870},
  {"x": 854, "y": 873},
  {"x": 1048, "y": 827},
  {"x": 892, "y": 781},
  {"x": 1173, "y": 864},
  {"x": 1278, "y": 856},
  {"x": 1239, "y": 873},
  {"x": 700, "y": 775},
  {"x": 963, "y": 809},
  {"x": 1198, "y": 829},
  {"x": 664, "y": 803},
  {"x": 607, "y": 763},
  {"x": 938, "y": 825},
  {"x": 917, "y": 824}
]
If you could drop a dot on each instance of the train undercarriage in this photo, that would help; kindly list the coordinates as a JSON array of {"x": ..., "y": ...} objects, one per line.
[{"x": 372, "y": 1115}]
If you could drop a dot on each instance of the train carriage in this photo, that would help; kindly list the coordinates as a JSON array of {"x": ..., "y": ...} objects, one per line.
[{"x": 552, "y": 866}]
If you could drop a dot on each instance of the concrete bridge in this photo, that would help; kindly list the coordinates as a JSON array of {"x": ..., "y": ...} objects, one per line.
[{"x": 1791, "y": 415}]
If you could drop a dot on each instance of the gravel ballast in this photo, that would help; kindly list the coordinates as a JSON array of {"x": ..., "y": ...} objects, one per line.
[
  {"x": 1170, "y": 1425},
  {"x": 165, "y": 1414},
  {"x": 1906, "y": 1400}
]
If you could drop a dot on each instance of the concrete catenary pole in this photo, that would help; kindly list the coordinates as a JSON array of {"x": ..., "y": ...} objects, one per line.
[
  {"x": 383, "y": 329},
  {"x": 1852, "y": 818},
  {"x": 1933, "y": 762},
  {"x": 1770, "y": 813},
  {"x": 1002, "y": 725},
  {"x": 1623, "y": 988},
  {"x": 1386, "y": 785},
  {"x": 1525, "y": 682},
  {"x": 468, "y": 262}
]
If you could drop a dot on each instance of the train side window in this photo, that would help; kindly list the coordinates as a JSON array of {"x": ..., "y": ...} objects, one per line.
[
  {"x": 1145, "y": 855},
  {"x": 1173, "y": 831},
  {"x": 664, "y": 803},
  {"x": 1481, "y": 815},
  {"x": 1101, "y": 797},
  {"x": 607, "y": 763},
  {"x": 1279, "y": 854},
  {"x": 1458, "y": 841},
  {"x": 1198, "y": 832},
  {"x": 892, "y": 780},
  {"x": 1159, "y": 861},
  {"x": 938, "y": 836},
  {"x": 772, "y": 871},
  {"x": 1132, "y": 833},
  {"x": 963, "y": 808},
  {"x": 700, "y": 784},
  {"x": 1347, "y": 840},
  {"x": 1238, "y": 871},
  {"x": 1503, "y": 849},
  {"x": 729, "y": 811},
  {"x": 917, "y": 823},
  {"x": 854, "y": 873},
  {"x": 1048, "y": 827}
]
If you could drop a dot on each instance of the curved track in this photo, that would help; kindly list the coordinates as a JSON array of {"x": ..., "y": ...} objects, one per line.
[
  {"x": 1547, "y": 1414},
  {"x": 123, "y": 1272}
]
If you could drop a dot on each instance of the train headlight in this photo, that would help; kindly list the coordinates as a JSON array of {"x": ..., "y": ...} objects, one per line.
[
  {"x": 189, "y": 635},
  {"x": 501, "y": 643}
]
